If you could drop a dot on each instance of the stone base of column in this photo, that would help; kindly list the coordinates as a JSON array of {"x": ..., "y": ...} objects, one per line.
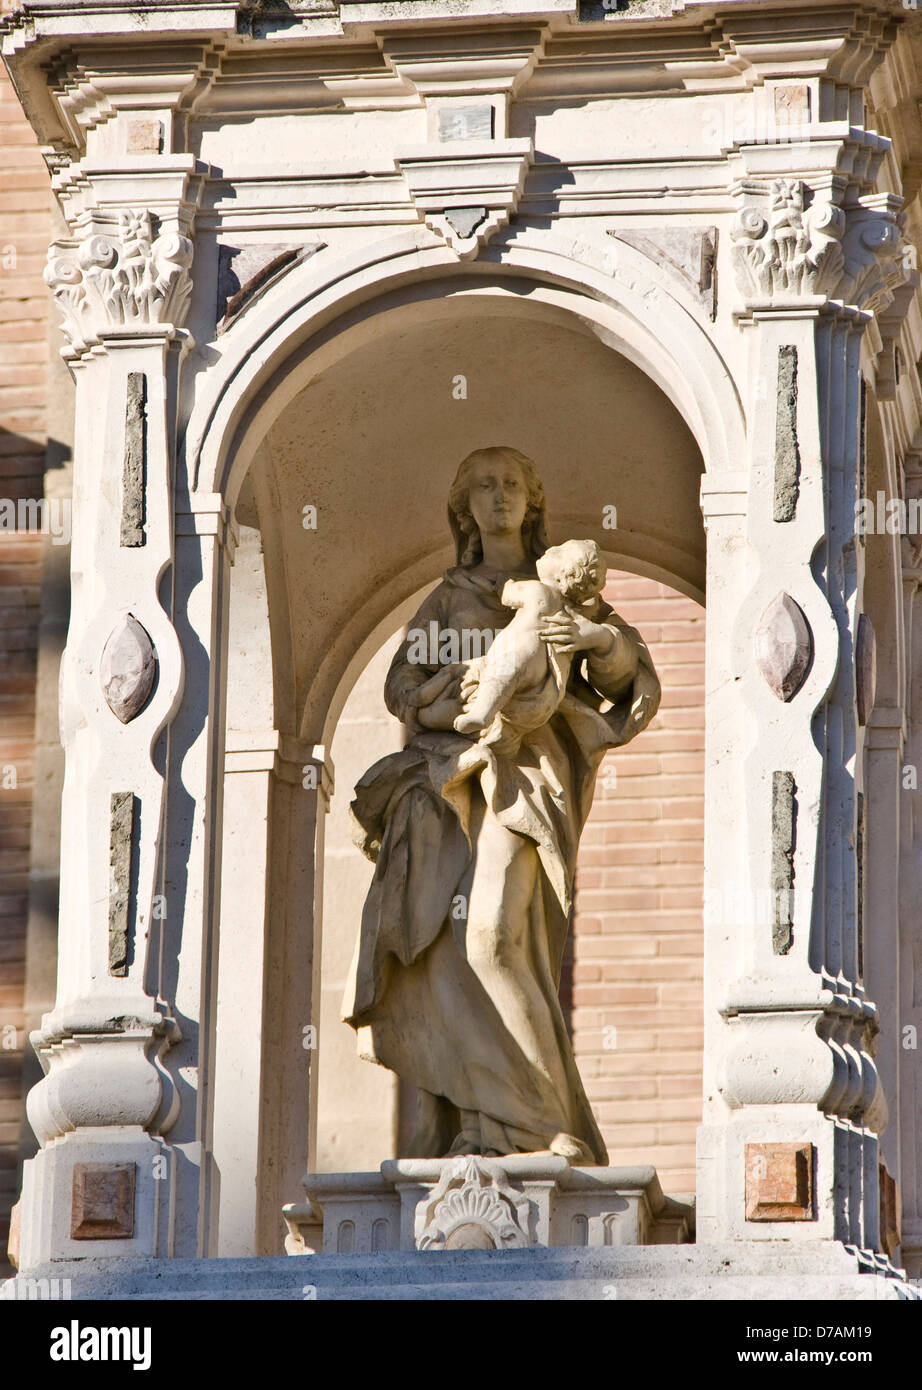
[
  {"x": 93, "y": 1193},
  {"x": 788, "y": 1173},
  {"x": 472, "y": 1203}
]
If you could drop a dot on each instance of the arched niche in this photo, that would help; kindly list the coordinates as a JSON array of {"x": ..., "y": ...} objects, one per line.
[
  {"x": 373, "y": 441},
  {"x": 385, "y": 409}
]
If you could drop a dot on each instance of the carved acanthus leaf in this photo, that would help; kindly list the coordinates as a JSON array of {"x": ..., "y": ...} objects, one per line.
[
  {"x": 791, "y": 251},
  {"x": 131, "y": 277},
  {"x": 807, "y": 246}
]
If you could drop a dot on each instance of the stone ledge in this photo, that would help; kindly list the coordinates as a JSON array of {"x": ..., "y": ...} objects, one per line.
[{"x": 518, "y": 1201}]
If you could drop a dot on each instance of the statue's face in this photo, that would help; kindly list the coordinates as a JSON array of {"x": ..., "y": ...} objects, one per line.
[{"x": 498, "y": 497}]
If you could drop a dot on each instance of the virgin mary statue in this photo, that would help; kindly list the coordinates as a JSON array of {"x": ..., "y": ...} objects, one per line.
[{"x": 455, "y": 979}]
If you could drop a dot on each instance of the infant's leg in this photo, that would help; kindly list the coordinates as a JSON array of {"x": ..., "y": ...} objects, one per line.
[{"x": 485, "y": 703}]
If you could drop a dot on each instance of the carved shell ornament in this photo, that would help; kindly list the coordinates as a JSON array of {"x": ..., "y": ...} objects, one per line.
[
  {"x": 127, "y": 669},
  {"x": 783, "y": 647},
  {"x": 473, "y": 1208}
]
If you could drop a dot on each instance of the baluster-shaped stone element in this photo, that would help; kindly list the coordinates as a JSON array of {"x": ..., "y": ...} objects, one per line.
[
  {"x": 127, "y": 669},
  {"x": 131, "y": 276},
  {"x": 783, "y": 647}
]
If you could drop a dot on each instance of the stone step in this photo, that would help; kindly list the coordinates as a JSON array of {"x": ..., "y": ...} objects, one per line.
[
  {"x": 744, "y": 1288},
  {"x": 772, "y": 1270}
]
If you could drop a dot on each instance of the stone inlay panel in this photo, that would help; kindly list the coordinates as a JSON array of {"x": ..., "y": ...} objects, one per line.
[
  {"x": 103, "y": 1201},
  {"x": 779, "y": 1182}
]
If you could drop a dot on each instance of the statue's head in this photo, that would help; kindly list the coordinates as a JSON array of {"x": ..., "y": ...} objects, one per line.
[
  {"x": 502, "y": 487},
  {"x": 576, "y": 568}
]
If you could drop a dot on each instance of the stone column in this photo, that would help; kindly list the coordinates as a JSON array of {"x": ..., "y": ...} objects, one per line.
[
  {"x": 141, "y": 797},
  {"x": 277, "y": 794},
  {"x": 789, "y": 1143}
]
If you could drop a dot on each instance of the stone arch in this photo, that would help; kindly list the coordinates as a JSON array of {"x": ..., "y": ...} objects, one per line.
[
  {"x": 318, "y": 315},
  {"x": 314, "y": 321},
  {"x": 309, "y": 307}
]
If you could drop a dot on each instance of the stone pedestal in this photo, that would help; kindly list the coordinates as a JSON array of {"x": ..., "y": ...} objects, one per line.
[{"x": 472, "y": 1203}]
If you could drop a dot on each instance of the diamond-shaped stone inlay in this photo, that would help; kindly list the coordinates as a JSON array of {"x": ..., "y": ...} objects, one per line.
[{"x": 783, "y": 647}]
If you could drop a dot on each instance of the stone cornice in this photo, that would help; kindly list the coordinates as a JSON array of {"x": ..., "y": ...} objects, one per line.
[{"x": 210, "y": 56}]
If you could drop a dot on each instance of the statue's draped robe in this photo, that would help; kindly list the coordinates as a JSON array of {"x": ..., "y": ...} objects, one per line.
[{"x": 419, "y": 1003}]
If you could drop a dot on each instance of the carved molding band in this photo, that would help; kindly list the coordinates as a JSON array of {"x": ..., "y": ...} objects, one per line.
[{"x": 130, "y": 277}]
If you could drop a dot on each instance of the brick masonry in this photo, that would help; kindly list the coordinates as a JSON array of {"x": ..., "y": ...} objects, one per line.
[
  {"x": 637, "y": 1010},
  {"x": 25, "y": 230}
]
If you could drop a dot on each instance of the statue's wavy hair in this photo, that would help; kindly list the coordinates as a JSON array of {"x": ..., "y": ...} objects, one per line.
[
  {"x": 464, "y": 528},
  {"x": 576, "y": 567}
]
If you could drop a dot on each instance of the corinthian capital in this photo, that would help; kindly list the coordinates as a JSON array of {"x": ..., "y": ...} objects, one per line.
[
  {"x": 790, "y": 250},
  {"x": 126, "y": 277},
  {"x": 801, "y": 247}
]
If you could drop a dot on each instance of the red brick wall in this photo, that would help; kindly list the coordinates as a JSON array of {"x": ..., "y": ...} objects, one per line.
[
  {"x": 638, "y": 934},
  {"x": 25, "y": 230}
]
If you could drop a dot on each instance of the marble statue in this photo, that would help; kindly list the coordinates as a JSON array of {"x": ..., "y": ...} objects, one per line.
[{"x": 474, "y": 826}]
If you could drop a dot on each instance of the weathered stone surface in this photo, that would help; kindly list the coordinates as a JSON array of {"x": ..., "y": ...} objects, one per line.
[
  {"x": 687, "y": 253},
  {"x": 134, "y": 471},
  {"x": 127, "y": 668},
  {"x": 753, "y": 1270},
  {"x": 466, "y": 122},
  {"x": 787, "y": 452},
  {"x": 103, "y": 1201},
  {"x": 465, "y": 221},
  {"x": 783, "y": 646},
  {"x": 784, "y": 836},
  {"x": 121, "y": 835},
  {"x": 779, "y": 1182},
  {"x": 865, "y": 668},
  {"x": 245, "y": 270},
  {"x": 889, "y": 1210},
  {"x": 144, "y": 137}
]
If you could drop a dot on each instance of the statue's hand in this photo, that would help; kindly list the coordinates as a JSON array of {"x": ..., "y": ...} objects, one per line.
[
  {"x": 445, "y": 682},
  {"x": 570, "y": 632},
  {"x": 470, "y": 681},
  {"x": 468, "y": 724},
  {"x": 441, "y": 714},
  {"x": 437, "y": 700}
]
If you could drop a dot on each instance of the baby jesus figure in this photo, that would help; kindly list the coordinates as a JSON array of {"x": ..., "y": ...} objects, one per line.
[{"x": 520, "y": 681}]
